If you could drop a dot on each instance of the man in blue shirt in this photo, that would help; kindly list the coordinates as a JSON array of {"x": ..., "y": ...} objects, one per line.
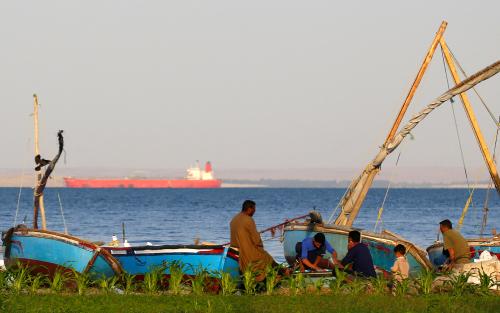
[
  {"x": 359, "y": 256},
  {"x": 310, "y": 253}
]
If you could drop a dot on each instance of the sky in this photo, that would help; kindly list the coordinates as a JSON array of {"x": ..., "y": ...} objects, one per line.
[{"x": 245, "y": 84}]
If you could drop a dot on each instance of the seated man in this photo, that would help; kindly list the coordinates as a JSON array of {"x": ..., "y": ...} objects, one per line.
[
  {"x": 310, "y": 253},
  {"x": 359, "y": 256},
  {"x": 455, "y": 244}
]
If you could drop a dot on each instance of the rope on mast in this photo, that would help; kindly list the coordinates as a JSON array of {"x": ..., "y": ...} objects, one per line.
[
  {"x": 456, "y": 126},
  {"x": 381, "y": 210},
  {"x": 493, "y": 118},
  {"x": 487, "y": 198},
  {"x": 62, "y": 214}
]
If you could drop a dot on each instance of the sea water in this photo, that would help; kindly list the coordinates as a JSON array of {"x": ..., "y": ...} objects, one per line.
[{"x": 181, "y": 216}]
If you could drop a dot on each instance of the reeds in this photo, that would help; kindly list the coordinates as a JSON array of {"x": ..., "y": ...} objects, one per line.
[
  {"x": 176, "y": 276},
  {"x": 22, "y": 280},
  {"x": 424, "y": 281},
  {"x": 128, "y": 281},
  {"x": 336, "y": 285},
  {"x": 19, "y": 276},
  {"x": 401, "y": 288},
  {"x": 271, "y": 279},
  {"x": 249, "y": 281},
  {"x": 153, "y": 279},
  {"x": 82, "y": 281},
  {"x": 228, "y": 284},
  {"x": 199, "y": 281}
]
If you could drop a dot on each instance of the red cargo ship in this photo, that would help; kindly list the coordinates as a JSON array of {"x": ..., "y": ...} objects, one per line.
[{"x": 195, "y": 178}]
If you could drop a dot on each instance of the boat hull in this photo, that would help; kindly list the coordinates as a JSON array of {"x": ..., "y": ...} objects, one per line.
[
  {"x": 476, "y": 246},
  {"x": 141, "y": 183},
  {"x": 380, "y": 245},
  {"x": 142, "y": 259},
  {"x": 46, "y": 252}
]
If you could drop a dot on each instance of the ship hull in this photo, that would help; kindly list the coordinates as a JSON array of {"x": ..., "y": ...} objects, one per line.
[{"x": 141, "y": 183}]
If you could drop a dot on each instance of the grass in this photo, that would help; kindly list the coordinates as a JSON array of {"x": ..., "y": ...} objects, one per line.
[
  {"x": 276, "y": 303},
  {"x": 75, "y": 292}
]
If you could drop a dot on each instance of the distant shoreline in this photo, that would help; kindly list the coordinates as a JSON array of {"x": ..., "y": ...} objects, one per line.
[{"x": 57, "y": 182}]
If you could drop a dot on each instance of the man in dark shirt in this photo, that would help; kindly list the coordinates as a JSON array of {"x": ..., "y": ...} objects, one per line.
[{"x": 359, "y": 256}]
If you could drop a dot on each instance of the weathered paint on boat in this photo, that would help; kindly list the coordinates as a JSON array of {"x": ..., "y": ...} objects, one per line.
[
  {"x": 380, "y": 245},
  {"x": 139, "y": 260},
  {"x": 476, "y": 245},
  {"x": 46, "y": 251}
]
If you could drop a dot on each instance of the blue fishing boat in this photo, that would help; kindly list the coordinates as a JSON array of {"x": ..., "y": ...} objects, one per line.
[
  {"x": 44, "y": 251},
  {"x": 214, "y": 259},
  {"x": 380, "y": 245},
  {"x": 477, "y": 246}
]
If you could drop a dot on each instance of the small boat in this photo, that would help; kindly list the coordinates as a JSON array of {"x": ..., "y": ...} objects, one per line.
[
  {"x": 476, "y": 246},
  {"x": 214, "y": 259},
  {"x": 380, "y": 244},
  {"x": 45, "y": 251}
]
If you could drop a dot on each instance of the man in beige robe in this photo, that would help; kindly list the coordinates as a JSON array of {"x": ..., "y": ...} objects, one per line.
[{"x": 246, "y": 238}]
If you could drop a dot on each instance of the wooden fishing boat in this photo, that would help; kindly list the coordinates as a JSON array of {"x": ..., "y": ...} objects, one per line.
[
  {"x": 45, "y": 251},
  {"x": 214, "y": 259},
  {"x": 476, "y": 245},
  {"x": 381, "y": 244}
]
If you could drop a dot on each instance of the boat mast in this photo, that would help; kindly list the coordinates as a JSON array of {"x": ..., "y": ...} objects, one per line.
[
  {"x": 472, "y": 118},
  {"x": 38, "y": 171},
  {"x": 356, "y": 194}
]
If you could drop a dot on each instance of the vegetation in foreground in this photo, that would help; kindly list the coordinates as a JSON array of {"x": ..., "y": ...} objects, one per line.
[
  {"x": 21, "y": 290},
  {"x": 258, "y": 303}
]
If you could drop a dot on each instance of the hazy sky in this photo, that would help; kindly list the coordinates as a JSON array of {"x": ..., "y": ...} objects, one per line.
[{"x": 246, "y": 84}]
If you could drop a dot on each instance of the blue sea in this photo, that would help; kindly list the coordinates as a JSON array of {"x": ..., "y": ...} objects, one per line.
[{"x": 179, "y": 216}]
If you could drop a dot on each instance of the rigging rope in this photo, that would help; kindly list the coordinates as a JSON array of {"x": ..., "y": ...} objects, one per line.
[
  {"x": 493, "y": 118},
  {"x": 456, "y": 125},
  {"x": 487, "y": 198},
  {"x": 330, "y": 219},
  {"x": 381, "y": 210},
  {"x": 20, "y": 187},
  {"x": 62, "y": 214}
]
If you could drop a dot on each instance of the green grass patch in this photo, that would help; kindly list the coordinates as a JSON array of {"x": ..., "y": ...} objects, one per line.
[{"x": 245, "y": 303}]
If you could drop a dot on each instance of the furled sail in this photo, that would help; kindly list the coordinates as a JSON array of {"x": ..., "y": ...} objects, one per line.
[{"x": 356, "y": 193}]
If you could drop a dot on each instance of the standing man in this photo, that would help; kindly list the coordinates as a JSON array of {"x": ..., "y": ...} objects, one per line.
[
  {"x": 455, "y": 243},
  {"x": 246, "y": 238},
  {"x": 359, "y": 256}
]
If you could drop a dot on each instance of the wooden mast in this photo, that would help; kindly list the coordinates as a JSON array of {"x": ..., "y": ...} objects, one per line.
[
  {"x": 356, "y": 194},
  {"x": 38, "y": 171},
  {"x": 472, "y": 119}
]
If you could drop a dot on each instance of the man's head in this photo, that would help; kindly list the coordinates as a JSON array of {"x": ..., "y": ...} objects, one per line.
[
  {"x": 445, "y": 225},
  {"x": 248, "y": 207},
  {"x": 319, "y": 240},
  {"x": 353, "y": 238},
  {"x": 400, "y": 250}
]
